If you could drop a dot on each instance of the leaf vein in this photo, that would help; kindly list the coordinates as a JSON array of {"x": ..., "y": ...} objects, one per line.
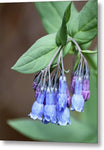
[
  {"x": 84, "y": 26},
  {"x": 35, "y": 58},
  {"x": 56, "y": 10}
]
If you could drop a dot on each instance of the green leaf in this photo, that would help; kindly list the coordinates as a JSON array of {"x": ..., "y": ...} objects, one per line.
[
  {"x": 69, "y": 47},
  {"x": 89, "y": 52},
  {"x": 51, "y": 14},
  {"x": 92, "y": 139},
  {"x": 53, "y": 19},
  {"x": 39, "y": 55},
  {"x": 61, "y": 36},
  {"x": 85, "y": 45},
  {"x": 92, "y": 60},
  {"x": 72, "y": 25},
  {"x": 83, "y": 28},
  {"x": 77, "y": 132}
]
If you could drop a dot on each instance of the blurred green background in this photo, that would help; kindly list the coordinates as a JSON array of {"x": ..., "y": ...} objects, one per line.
[{"x": 20, "y": 27}]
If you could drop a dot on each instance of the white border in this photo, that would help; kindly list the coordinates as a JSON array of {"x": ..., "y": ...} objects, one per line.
[
  {"x": 7, "y": 1},
  {"x": 73, "y": 146}
]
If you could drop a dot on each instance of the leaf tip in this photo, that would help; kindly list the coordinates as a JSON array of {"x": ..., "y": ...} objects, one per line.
[
  {"x": 13, "y": 67},
  {"x": 9, "y": 122}
]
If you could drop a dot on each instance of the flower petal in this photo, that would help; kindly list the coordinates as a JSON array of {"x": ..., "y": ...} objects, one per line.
[
  {"x": 77, "y": 103},
  {"x": 50, "y": 113},
  {"x": 63, "y": 117},
  {"x": 37, "y": 111},
  {"x": 61, "y": 101}
]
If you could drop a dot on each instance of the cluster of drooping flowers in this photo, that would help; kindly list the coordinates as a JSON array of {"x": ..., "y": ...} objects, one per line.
[
  {"x": 80, "y": 86},
  {"x": 52, "y": 92}
]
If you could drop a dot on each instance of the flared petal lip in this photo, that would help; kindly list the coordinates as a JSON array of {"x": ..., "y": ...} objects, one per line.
[
  {"x": 75, "y": 105},
  {"x": 64, "y": 124},
  {"x": 34, "y": 116}
]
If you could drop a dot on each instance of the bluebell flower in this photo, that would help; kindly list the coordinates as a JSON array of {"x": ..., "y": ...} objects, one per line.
[
  {"x": 63, "y": 117},
  {"x": 50, "y": 107},
  {"x": 62, "y": 96},
  {"x": 38, "y": 107},
  {"x": 77, "y": 101},
  {"x": 63, "y": 113}
]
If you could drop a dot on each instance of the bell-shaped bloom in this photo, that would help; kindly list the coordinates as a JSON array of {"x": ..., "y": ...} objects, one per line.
[
  {"x": 85, "y": 89},
  {"x": 62, "y": 96},
  {"x": 38, "y": 107},
  {"x": 63, "y": 117},
  {"x": 50, "y": 107},
  {"x": 77, "y": 100}
]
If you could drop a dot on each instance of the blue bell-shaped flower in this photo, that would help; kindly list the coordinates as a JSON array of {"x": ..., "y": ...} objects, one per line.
[
  {"x": 63, "y": 117},
  {"x": 62, "y": 95},
  {"x": 38, "y": 107},
  {"x": 50, "y": 107},
  {"x": 77, "y": 101}
]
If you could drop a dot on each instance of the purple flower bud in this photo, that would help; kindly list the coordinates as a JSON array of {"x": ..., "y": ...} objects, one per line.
[
  {"x": 34, "y": 86},
  {"x": 68, "y": 97},
  {"x": 36, "y": 80},
  {"x": 37, "y": 92},
  {"x": 85, "y": 84},
  {"x": 72, "y": 86},
  {"x": 85, "y": 89},
  {"x": 86, "y": 95}
]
